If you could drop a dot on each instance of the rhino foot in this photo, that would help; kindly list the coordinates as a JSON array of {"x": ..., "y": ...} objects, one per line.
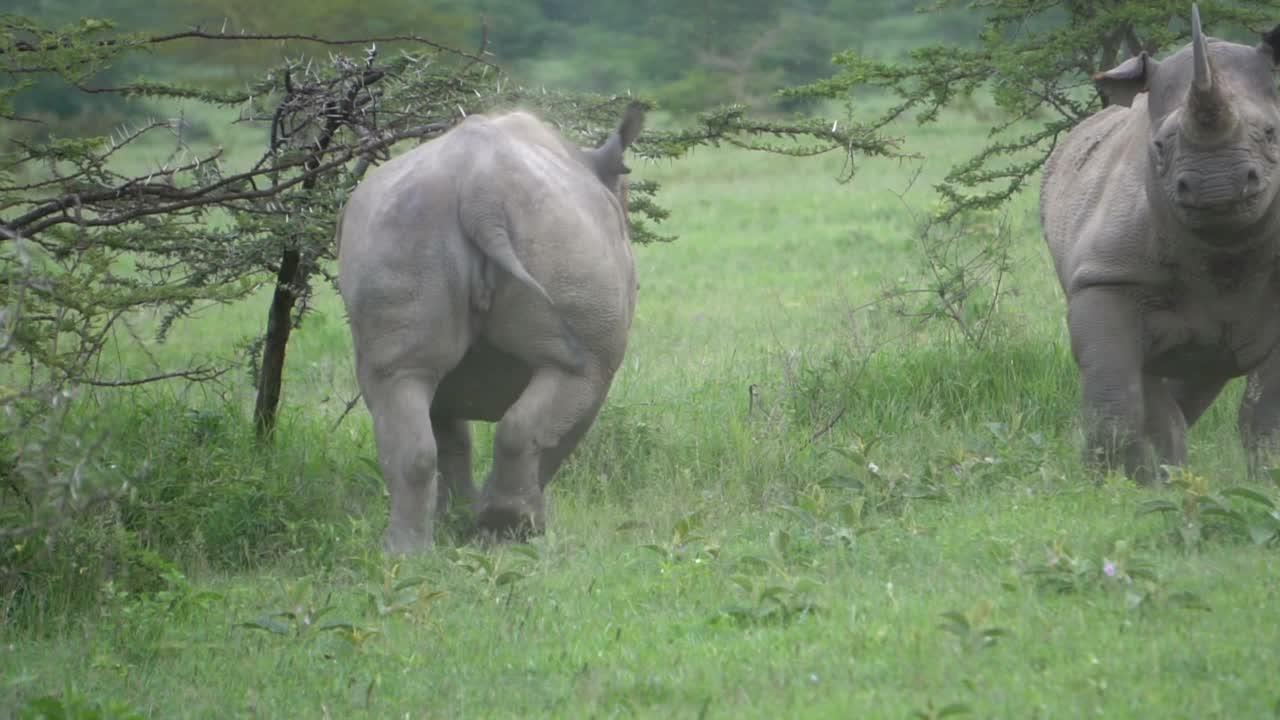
[
  {"x": 518, "y": 518},
  {"x": 399, "y": 542}
]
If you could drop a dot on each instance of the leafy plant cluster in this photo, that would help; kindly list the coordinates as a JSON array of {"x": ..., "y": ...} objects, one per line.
[{"x": 1202, "y": 514}]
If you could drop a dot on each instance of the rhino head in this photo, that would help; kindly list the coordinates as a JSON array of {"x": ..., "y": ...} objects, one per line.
[{"x": 1213, "y": 110}]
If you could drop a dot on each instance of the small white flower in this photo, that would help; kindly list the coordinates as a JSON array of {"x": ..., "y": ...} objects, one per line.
[{"x": 874, "y": 468}]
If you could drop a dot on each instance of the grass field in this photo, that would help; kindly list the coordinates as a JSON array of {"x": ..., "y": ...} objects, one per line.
[{"x": 898, "y": 526}]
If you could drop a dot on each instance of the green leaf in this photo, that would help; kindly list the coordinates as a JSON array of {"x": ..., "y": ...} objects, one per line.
[
  {"x": 658, "y": 549},
  {"x": 1263, "y": 534},
  {"x": 268, "y": 623},
  {"x": 956, "y": 623},
  {"x": 773, "y": 592},
  {"x": 335, "y": 625},
  {"x": 1250, "y": 495},
  {"x": 1156, "y": 506},
  {"x": 954, "y": 709},
  {"x": 526, "y": 550},
  {"x": 752, "y": 563},
  {"x": 508, "y": 577},
  {"x": 408, "y": 583},
  {"x": 780, "y": 541},
  {"x": 842, "y": 482},
  {"x": 1216, "y": 510},
  {"x": 687, "y": 524}
]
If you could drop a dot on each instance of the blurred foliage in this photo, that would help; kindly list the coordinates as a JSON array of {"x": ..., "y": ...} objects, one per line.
[{"x": 688, "y": 56}]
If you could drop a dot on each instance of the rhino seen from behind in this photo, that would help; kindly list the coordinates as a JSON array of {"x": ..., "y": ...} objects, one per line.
[
  {"x": 1161, "y": 215},
  {"x": 487, "y": 275}
]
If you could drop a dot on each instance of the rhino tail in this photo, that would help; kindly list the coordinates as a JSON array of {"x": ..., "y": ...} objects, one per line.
[{"x": 494, "y": 243}]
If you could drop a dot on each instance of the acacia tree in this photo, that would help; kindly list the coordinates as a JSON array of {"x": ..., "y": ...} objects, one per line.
[{"x": 1035, "y": 60}]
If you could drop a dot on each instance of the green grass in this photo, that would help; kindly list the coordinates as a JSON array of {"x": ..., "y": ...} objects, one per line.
[{"x": 707, "y": 557}]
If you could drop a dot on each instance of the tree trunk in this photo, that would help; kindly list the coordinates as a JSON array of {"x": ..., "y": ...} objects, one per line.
[
  {"x": 279, "y": 325},
  {"x": 280, "y": 316}
]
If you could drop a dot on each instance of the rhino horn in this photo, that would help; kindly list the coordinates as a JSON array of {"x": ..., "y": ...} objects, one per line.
[{"x": 1207, "y": 101}]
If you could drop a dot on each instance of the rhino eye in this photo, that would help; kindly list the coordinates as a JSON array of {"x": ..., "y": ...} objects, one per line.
[{"x": 1270, "y": 134}]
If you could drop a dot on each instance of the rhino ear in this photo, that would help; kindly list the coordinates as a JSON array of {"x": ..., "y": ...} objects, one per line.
[
  {"x": 606, "y": 160},
  {"x": 1270, "y": 45},
  {"x": 631, "y": 124},
  {"x": 1121, "y": 84}
]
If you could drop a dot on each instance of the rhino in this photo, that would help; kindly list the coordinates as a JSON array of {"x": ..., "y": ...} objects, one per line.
[
  {"x": 487, "y": 275},
  {"x": 1161, "y": 214}
]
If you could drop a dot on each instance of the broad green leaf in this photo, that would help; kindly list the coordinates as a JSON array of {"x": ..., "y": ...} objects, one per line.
[
  {"x": 268, "y": 623},
  {"x": 1156, "y": 506},
  {"x": 1250, "y": 495},
  {"x": 335, "y": 625},
  {"x": 408, "y": 583},
  {"x": 842, "y": 482},
  {"x": 1263, "y": 534},
  {"x": 526, "y": 550}
]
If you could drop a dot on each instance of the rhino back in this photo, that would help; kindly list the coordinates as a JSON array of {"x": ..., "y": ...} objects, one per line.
[
  {"x": 567, "y": 229},
  {"x": 1093, "y": 204},
  {"x": 424, "y": 233}
]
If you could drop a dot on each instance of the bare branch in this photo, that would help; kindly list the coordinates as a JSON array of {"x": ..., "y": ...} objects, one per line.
[{"x": 202, "y": 374}]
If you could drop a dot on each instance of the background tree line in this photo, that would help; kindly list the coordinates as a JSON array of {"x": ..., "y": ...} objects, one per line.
[{"x": 687, "y": 56}]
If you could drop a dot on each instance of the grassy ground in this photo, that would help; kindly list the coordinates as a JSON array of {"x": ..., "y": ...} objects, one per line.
[{"x": 937, "y": 549}]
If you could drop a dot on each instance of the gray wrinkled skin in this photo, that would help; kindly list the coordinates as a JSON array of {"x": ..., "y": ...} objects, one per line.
[
  {"x": 1160, "y": 212},
  {"x": 487, "y": 275}
]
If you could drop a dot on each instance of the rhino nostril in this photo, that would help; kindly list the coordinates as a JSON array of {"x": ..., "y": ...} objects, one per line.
[{"x": 1252, "y": 181}]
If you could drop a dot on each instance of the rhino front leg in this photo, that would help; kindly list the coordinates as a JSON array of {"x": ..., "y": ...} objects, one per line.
[
  {"x": 1259, "y": 418},
  {"x": 1106, "y": 339},
  {"x": 540, "y": 427}
]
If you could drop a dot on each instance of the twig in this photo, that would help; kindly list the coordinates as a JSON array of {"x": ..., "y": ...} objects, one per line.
[
  {"x": 350, "y": 404},
  {"x": 827, "y": 427}
]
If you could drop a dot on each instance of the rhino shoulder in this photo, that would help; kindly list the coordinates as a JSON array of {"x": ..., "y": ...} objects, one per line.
[
  {"x": 1108, "y": 130},
  {"x": 1093, "y": 205}
]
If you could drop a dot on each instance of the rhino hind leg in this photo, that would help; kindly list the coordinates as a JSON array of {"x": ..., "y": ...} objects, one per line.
[
  {"x": 453, "y": 446},
  {"x": 1259, "y": 416},
  {"x": 407, "y": 452},
  {"x": 536, "y": 433},
  {"x": 554, "y": 457},
  {"x": 1165, "y": 424}
]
